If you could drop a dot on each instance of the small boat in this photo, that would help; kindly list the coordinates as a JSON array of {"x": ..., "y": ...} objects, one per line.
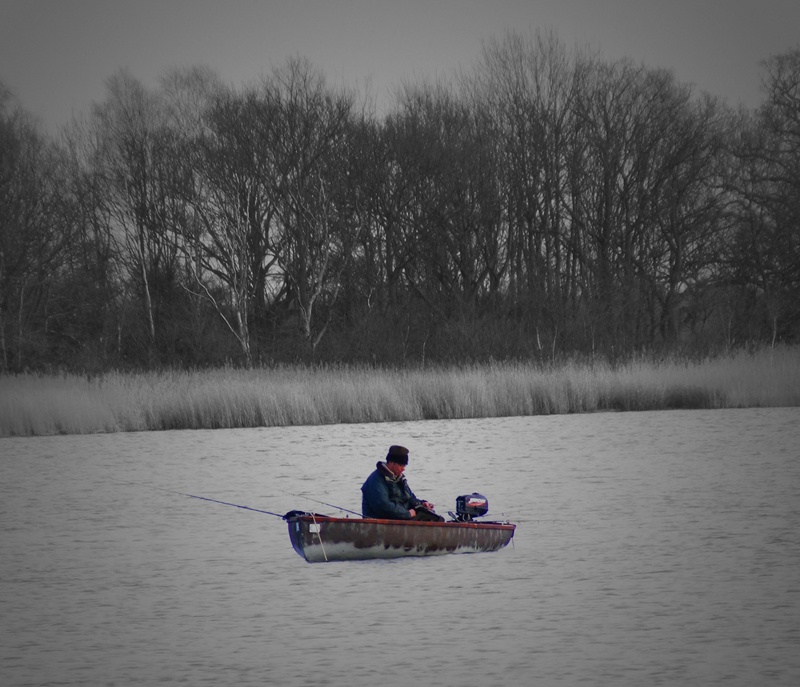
[{"x": 319, "y": 538}]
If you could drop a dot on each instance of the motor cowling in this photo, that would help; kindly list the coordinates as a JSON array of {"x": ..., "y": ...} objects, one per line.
[{"x": 469, "y": 506}]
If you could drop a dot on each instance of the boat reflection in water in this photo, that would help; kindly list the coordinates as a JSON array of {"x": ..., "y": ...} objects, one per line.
[{"x": 319, "y": 538}]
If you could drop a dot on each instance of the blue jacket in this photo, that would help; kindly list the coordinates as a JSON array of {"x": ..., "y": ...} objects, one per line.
[{"x": 386, "y": 496}]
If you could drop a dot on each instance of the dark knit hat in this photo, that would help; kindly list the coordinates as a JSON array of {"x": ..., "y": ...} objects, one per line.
[{"x": 397, "y": 454}]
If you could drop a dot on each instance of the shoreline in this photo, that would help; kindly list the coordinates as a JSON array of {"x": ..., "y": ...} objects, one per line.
[{"x": 44, "y": 405}]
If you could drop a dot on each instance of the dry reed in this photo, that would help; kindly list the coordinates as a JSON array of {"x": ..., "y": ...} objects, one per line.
[{"x": 71, "y": 404}]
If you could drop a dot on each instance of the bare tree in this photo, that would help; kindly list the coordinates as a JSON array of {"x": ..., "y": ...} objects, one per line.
[
  {"x": 765, "y": 253},
  {"x": 237, "y": 241},
  {"x": 644, "y": 197},
  {"x": 530, "y": 84},
  {"x": 134, "y": 163},
  {"x": 34, "y": 233},
  {"x": 318, "y": 208}
]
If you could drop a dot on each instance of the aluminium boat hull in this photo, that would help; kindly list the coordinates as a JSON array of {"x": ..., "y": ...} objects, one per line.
[{"x": 320, "y": 538}]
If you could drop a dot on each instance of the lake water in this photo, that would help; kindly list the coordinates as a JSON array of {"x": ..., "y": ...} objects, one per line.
[{"x": 652, "y": 549}]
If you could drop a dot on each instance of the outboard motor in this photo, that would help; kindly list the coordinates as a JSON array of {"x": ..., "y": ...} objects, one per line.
[{"x": 470, "y": 506}]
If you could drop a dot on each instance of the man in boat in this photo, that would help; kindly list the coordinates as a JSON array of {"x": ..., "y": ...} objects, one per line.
[{"x": 386, "y": 493}]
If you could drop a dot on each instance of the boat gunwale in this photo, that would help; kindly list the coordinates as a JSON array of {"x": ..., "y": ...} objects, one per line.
[{"x": 406, "y": 523}]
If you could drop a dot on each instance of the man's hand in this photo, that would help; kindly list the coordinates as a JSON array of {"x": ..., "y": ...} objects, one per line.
[
  {"x": 428, "y": 505},
  {"x": 412, "y": 513}
]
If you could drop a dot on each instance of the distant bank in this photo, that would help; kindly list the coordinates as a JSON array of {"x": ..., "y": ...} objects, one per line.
[{"x": 33, "y": 404}]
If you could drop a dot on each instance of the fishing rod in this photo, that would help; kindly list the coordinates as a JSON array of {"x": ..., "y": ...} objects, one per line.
[
  {"x": 236, "y": 505},
  {"x": 227, "y": 503},
  {"x": 205, "y": 498},
  {"x": 330, "y": 505}
]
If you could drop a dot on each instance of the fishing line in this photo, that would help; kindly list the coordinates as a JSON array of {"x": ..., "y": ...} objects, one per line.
[{"x": 319, "y": 536}]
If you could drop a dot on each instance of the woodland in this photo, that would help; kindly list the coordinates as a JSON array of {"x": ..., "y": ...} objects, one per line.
[{"x": 543, "y": 204}]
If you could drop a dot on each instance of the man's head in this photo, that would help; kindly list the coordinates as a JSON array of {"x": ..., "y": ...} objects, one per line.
[{"x": 397, "y": 459}]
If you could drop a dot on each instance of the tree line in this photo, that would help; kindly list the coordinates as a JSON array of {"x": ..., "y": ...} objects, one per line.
[{"x": 544, "y": 203}]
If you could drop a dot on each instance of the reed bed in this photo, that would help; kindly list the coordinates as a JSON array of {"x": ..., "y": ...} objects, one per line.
[{"x": 116, "y": 402}]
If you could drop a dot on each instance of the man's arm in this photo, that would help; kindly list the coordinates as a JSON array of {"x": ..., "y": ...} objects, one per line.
[{"x": 416, "y": 502}]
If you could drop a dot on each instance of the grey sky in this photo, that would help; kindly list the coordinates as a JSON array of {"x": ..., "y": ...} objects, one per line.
[{"x": 56, "y": 54}]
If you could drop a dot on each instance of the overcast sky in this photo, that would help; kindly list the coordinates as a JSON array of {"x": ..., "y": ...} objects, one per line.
[{"x": 55, "y": 55}]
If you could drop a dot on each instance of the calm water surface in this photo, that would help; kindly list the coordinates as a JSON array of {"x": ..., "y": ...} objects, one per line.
[{"x": 651, "y": 549}]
